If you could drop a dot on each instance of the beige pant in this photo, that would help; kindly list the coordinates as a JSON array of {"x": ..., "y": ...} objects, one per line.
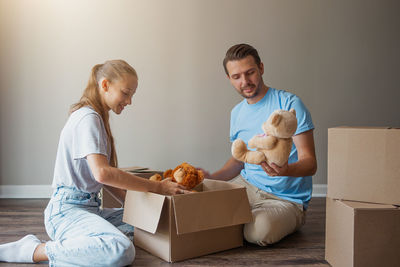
[{"x": 273, "y": 217}]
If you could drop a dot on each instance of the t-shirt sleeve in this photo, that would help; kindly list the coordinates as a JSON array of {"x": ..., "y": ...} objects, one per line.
[
  {"x": 89, "y": 137},
  {"x": 304, "y": 121}
]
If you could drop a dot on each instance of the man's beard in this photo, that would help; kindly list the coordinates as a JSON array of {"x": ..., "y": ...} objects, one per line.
[{"x": 255, "y": 93}]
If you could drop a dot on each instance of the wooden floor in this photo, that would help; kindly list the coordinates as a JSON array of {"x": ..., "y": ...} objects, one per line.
[{"x": 19, "y": 217}]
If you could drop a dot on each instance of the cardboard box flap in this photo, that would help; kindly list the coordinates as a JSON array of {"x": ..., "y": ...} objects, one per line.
[
  {"x": 363, "y": 128},
  {"x": 134, "y": 168},
  {"x": 211, "y": 209},
  {"x": 214, "y": 185},
  {"x": 143, "y": 210},
  {"x": 366, "y": 205}
]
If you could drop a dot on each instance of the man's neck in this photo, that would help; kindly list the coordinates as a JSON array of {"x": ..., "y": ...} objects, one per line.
[{"x": 260, "y": 96}]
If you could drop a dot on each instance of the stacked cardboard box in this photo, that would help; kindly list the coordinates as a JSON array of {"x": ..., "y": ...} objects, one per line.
[{"x": 362, "y": 213}]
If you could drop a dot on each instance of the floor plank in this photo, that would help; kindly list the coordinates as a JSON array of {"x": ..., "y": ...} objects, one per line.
[{"x": 19, "y": 217}]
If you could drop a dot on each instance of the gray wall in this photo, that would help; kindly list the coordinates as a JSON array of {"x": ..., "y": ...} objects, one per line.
[{"x": 341, "y": 57}]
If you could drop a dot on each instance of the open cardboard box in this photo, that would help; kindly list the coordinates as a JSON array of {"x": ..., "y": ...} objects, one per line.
[
  {"x": 184, "y": 226},
  {"x": 362, "y": 234},
  {"x": 364, "y": 164}
]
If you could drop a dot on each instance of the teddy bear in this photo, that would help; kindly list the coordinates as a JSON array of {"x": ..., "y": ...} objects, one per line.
[
  {"x": 184, "y": 174},
  {"x": 274, "y": 145}
]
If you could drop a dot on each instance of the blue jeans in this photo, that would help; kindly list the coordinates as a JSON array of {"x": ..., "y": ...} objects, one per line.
[{"x": 82, "y": 234}]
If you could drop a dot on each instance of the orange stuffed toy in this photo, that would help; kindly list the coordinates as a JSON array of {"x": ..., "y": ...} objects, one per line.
[{"x": 184, "y": 174}]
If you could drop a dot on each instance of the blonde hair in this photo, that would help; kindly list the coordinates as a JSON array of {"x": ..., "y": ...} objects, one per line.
[{"x": 111, "y": 70}]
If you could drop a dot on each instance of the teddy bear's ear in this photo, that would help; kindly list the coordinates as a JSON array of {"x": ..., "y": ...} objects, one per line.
[
  {"x": 292, "y": 110},
  {"x": 276, "y": 118}
]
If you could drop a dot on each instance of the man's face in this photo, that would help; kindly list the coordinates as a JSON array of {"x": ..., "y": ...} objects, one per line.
[{"x": 246, "y": 76}]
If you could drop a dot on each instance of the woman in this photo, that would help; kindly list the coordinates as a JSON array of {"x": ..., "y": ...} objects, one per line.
[{"x": 82, "y": 234}]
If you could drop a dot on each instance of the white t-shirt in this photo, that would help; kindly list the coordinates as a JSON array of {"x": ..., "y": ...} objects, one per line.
[{"x": 82, "y": 135}]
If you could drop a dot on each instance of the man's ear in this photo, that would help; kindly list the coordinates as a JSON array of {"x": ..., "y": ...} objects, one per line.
[{"x": 261, "y": 67}]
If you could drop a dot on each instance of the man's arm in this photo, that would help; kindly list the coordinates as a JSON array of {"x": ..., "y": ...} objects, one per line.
[
  {"x": 230, "y": 170},
  {"x": 306, "y": 164}
]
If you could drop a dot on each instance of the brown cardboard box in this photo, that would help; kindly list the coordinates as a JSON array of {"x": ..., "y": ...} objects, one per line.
[
  {"x": 184, "y": 226},
  {"x": 362, "y": 234},
  {"x": 364, "y": 164},
  {"x": 108, "y": 200}
]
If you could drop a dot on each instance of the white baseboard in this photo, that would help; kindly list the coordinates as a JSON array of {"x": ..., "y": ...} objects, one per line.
[
  {"x": 25, "y": 191},
  {"x": 44, "y": 191},
  {"x": 319, "y": 190}
]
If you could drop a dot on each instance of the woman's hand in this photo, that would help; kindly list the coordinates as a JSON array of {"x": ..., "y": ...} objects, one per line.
[{"x": 167, "y": 187}]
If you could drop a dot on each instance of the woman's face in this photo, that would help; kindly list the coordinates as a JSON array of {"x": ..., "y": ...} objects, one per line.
[{"x": 118, "y": 94}]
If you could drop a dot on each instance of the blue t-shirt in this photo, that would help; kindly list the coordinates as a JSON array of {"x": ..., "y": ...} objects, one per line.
[
  {"x": 83, "y": 134},
  {"x": 246, "y": 121}
]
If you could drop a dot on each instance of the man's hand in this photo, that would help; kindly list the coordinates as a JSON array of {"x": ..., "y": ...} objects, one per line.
[
  {"x": 306, "y": 165},
  {"x": 275, "y": 170}
]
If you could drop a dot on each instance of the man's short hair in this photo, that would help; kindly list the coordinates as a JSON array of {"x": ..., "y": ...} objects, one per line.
[{"x": 241, "y": 51}]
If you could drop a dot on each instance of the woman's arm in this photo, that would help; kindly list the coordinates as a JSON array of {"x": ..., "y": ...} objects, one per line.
[{"x": 107, "y": 175}]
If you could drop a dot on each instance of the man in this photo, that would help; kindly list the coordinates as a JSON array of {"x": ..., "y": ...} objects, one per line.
[{"x": 278, "y": 195}]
